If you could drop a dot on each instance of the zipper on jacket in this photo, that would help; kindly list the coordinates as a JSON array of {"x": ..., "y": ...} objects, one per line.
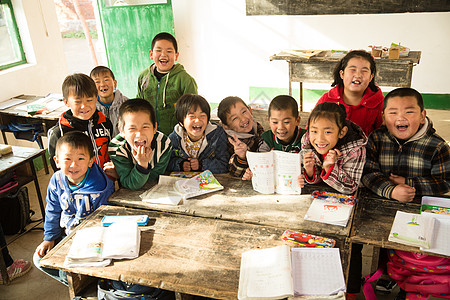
[
  {"x": 157, "y": 98},
  {"x": 91, "y": 135}
]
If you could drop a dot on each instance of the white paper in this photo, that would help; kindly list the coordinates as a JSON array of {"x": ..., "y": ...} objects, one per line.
[
  {"x": 317, "y": 271},
  {"x": 275, "y": 171},
  {"x": 440, "y": 242},
  {"x": 163, "y": 192},
  {"x": 412, "y": 229},
  {"x": 11, "y": 102},
  {"x": 328, "y": 212},
  {"x": 121, "y": 240}
]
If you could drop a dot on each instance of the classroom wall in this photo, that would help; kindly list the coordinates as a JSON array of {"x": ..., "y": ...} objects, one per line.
[
  {"x": 41, "y": 38},
  {"x": 227, "y": 52}
]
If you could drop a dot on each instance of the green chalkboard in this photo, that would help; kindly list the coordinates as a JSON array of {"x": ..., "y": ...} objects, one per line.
[{"x": 128, "y": 32}]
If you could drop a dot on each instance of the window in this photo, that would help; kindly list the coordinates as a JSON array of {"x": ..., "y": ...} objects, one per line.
[{"x": 11, "y": 51}]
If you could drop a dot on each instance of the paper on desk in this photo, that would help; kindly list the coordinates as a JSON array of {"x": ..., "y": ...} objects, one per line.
[
  {"x": 11, "y": 102},
  {"x": 163, "y": 192},
  {"x": 51, "y": 102},
  {"x": 440, "y": 242}
]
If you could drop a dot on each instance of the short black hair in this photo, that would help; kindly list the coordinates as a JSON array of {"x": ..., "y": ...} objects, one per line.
[
  {"x": 342, "y": 64},
  {"x": 167, "y": 37},
  {"x": 77, "y": 140},
  {"x": 187, "y": 102},
  {"x": 331, "y": 111},
  {"x": 284, "y": 102},
  {"x": 404, "y": 92},
  {"x": 136, "y": 105},
  {"x": 225, "y": 106},
  {"x": 79, "y": 85},
  {"x": 101, "y": 70}
]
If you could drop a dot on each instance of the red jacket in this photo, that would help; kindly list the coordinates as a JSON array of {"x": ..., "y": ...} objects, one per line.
[{"x": 367, "y": 114}]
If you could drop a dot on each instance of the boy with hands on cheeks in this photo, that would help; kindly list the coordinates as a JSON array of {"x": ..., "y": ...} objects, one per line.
[
  {"x": 140, "y": 153},
  {"x": 405, "y": 157}
]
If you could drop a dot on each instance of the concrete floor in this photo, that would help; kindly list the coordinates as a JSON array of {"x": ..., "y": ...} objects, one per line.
[{"x": 37, "y": 285}]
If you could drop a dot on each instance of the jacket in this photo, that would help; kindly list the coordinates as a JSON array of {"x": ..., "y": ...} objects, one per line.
[
  {"x": 98, "y": 128},
  {"x": 66, "y": 209},
  {"x": 271, "y": 142},
  {"x": 213, "y": 154},
  {"x": 424, "y": 160},
  {"x": 345, "y": 175},
  {"x": 133, "y": 176},
  {"x": 366, "y": 115},
  {"x": 165, "y": 93},
  {"x": 238, "y": 165},
  {"x": 112, "y": 112}
]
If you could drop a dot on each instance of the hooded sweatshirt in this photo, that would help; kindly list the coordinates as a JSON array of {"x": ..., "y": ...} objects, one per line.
[
  {"x": 112, "y": 111},
  {"x": 165, "y": 93}
]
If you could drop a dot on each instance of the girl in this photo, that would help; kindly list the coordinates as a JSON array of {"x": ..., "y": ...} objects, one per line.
[
  {"x": 354, "y": 87},
  {"x": 333, "y": 149},
  {"x": 198, "y": 144}
]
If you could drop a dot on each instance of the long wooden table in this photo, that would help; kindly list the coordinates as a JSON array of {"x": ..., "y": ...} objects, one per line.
[{"x": 196, "y": 247}]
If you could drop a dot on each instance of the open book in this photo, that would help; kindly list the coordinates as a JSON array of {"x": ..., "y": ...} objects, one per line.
[
  {"x": 412, "y": 229},
  {"x": 280, "y": 272},
  {"x": 329, "y": 208},
  {"x": 171, "y": 190},
  {"x": 96, "y": 246},
  {"x": 275, "y": 171}
]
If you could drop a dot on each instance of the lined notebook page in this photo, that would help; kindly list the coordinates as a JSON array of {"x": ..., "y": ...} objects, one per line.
[{"x": 317, "y": 271}]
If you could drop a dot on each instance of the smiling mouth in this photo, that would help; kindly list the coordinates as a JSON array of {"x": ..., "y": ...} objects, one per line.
[
  {"x": 197, "y": 128},
  {"x": 245, "y": 125},
  {"x": 402, "y": 127},
  {"x": 321, "y": 146},
  {"x": 104, "y": 90},
  {"x": 357, "y": 82},
  {"x": 140, "y": 143}
]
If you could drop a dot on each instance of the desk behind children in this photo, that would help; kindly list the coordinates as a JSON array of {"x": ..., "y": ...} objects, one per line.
[{"x": 192, "y": 255}]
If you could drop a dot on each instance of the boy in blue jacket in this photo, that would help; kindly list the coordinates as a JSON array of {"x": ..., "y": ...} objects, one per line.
[{"x": 73, "y": 193}]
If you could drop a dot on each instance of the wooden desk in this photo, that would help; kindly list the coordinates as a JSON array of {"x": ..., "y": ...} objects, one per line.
[
  {"x": 192, "y": 255},
  {"x": 319, "y": 69},
  {"x": 21, "y": 160}
]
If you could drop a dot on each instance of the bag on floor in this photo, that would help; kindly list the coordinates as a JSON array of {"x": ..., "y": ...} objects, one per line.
[
  {"x": 420, "y": 274},
  {"x": 15, "y": 212},
  {"x": 113, "y": 290}
]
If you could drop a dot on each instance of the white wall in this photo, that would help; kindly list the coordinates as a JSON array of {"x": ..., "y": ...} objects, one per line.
[
  {"x": 41, "y": 38},
  {"x": 227, "y": 51}
]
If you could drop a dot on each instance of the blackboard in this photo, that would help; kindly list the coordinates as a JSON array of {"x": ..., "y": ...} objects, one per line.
[{"x": 338, "y": 7}]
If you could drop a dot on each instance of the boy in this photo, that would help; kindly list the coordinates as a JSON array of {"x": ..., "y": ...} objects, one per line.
[
  {"x": 109, "y": 97},
  {"x": 405, "y": 157},
  {"x": 80, "y": 95},
  {"x": 140, "y": 153},
  {"x": 73, "y": 193},
  {"x": 243, "y": 133},
  {"x": 164, "y": 82},
  {"x": 285, "y": 133}
]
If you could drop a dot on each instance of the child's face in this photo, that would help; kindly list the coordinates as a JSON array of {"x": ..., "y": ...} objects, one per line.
[
  {"x": 164, "y": 55},
  {"x": 240, "y": 118},
  {"x": 324, "y": 134},
  {"x": 82, "y": 107},
  {"x": 283, "y": 124},
  {"x": 138, "y": 129},
  {"x": 356, "y": 75},
  {"x": 73, "y": 162},
  {"x": 105, "y": 86},
  {"x": 403, "y": 117},
  {"x": 195, "y": 123}
]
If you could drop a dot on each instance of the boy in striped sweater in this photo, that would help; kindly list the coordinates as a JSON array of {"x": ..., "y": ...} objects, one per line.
[{"x": 140, "y": 153}]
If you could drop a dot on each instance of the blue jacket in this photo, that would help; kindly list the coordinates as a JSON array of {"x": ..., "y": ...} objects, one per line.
[
  {"x": 66, "y": 209},
  {"x": 213, "y": 155}
]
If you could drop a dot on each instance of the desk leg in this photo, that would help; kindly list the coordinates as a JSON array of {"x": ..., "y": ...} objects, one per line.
[
  {"x": 38, "y": 189},
  {"x": 301, "y": 96},
  {"x": 78, "y": 283},
  {"x": 4, "y": 138}
]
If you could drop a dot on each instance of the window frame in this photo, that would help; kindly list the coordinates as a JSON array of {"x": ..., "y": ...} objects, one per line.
[{"x": 22, "y": 60}]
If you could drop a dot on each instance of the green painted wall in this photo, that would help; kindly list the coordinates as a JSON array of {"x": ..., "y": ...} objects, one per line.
[
  {"x": 128, "y": 32},
  {"x": 265, "y": 94}
]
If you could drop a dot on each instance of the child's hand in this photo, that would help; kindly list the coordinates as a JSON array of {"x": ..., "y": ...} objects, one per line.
[
  {"x": 110, "y": 170},
  {"x": 403, "y": 193},
  {"x": 397, "y": 179},
  {"x": 301, "y": 180},
  {"x": 247, "y": 175},
  {"x": 186, "y": 166},
  {"x": 308, "y": 163},
  {"x": 195, "y": 165},
  {"x": 330, "y": 159},
  {"x": 44, "y": 247},
  {"x": 240, "y": 148},
  {"x": 142, "y": 155}
]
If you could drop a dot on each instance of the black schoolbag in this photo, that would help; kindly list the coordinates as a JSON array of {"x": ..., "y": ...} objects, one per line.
[{"x": 15, "y": 212}]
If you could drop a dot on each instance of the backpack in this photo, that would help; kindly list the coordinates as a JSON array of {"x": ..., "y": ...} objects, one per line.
[
  {"x": 26, "y": 131},
  {"x": 420, "y": 274},
  {"x": 114, "y": 290},
  {"x": 15, "y": 212}
]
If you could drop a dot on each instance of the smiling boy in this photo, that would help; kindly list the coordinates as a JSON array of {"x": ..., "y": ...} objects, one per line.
[
  {"x": 405, "y": 157},
  {"x": 140, "y": 153},
  {"x": 109, "y": 97},
  {"x": 165, "y": 81},
  {"x": 80, "y": 96}
]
